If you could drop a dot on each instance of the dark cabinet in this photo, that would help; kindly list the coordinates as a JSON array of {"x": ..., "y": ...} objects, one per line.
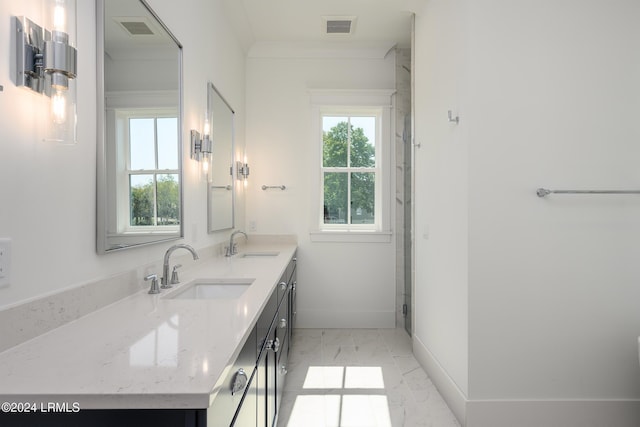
[{"x": 236, "y": 389}]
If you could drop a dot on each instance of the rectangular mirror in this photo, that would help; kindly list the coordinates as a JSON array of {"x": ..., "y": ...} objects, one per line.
[
  {"x": 221, "y": 189},
  {"x": 139, "y": 182}
]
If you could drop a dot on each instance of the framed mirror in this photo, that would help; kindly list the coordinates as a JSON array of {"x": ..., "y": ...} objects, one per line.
[
  {"x": 139, "y": 182},
  {"x": 220, "y": 193}
]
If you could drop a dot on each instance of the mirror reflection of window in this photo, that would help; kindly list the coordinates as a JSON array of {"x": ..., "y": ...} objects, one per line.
[{"x": 153, "y": 172}]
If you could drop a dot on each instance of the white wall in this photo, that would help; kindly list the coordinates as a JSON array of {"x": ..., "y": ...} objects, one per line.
[
  {"x": 547, "y": 98},
  {"x": 48, "y": 191},
  {"x": 441, "y": 191},
  {"x": 340, "y": 284}
]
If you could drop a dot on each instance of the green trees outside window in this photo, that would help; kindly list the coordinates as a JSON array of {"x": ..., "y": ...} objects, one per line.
[
  {"x": 148, "y": 197},
  {"x": 349, "y": 169}
]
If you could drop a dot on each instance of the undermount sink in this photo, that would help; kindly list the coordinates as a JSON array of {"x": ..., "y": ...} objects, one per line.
[
  {"x": 258, "y": 254},
  {"x": 212, "y": 289}
]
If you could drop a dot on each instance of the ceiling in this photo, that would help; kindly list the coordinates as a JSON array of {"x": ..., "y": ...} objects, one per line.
[{"x": 298, "y": 21}]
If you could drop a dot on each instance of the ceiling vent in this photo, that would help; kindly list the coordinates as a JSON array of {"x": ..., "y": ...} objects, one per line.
[
  {"x": 135, "y": 26},
  {"x": 338, "y": 25}
]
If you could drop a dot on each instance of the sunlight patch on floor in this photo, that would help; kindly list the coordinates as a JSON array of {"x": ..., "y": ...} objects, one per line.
[
  {"x": 350, "y": 377},
  {"x": 346, "y": 402},
  {"x": 340, "y": 411}
]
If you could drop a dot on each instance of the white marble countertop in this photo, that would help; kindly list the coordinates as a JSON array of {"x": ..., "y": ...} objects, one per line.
[{"x": 146, "y": 351}]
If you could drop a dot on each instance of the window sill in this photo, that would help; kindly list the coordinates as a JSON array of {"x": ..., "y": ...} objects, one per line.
[{"x": 351, "y": 236}]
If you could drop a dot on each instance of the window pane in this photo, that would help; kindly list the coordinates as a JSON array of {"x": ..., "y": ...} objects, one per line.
[
  {"x": 142, "y": 144},
  {"x": 168, "y": 200},
  {"x": 363, "y": 197},
  {"x": 363, "y": 141},
  {"x": 335, "y": 198},
  {"x": 141, "y": 198},
  {"x": 167, "y": 143},
  {"x": 334, "y": 141}
]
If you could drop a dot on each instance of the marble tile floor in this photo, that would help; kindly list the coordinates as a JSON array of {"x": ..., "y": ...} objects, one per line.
[{"x": 358, "y": 378}]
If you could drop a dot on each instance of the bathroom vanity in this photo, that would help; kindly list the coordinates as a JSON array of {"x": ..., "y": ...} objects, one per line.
[{"x": 180, "y": 358}]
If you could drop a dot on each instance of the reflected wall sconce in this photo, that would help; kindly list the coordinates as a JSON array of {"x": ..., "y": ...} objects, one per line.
[
  {"x": 242, "y": 171},
  {"x": 201, "y": 149},
  {"x": 46, "y": 62}
]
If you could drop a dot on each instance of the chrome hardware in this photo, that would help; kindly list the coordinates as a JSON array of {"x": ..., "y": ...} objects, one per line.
[
  {"x": 154, "y": 283},
  {"x": 281, "y": 187},
  {"x": 283, "y": 286},
  {"x": 174, "y": 274},
  {"x": 543, "y": 192},
  {"x": 273, "y": 345},
  {"x": 239, "y": 381},
  {"x": 283, "y": 323},
  {"x": 295, "y": 259},
  {"x": 293, "y": 286},
  {"x": 283, "y": 370},
  {"x": 166, "y": 283},
  {"x": 232, "y": 249},
  {"x": 222, "y": 187}
]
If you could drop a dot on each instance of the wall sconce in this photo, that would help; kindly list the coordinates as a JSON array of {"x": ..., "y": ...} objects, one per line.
[
  {"x": 46, "y": 62},
  {"x": 201, "y": 149},
  {"x": 242, "y": 171}
]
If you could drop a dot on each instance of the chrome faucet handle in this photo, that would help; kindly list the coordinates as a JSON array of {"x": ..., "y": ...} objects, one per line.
[
  {"x": 154, "y": 283},
  {"x": 174, "y": 274}
]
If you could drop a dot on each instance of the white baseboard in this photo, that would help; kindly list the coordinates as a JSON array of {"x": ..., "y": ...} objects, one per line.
[
  {"x": 330, "y": 319},
  {"x": 526, "y": 412},
  {"x": 448, "y": 389},
  {"x": 553, "y": 413}
]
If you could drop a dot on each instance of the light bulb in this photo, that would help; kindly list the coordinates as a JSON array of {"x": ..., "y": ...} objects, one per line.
[
  {"x": 59, "y": 18},
  {"x": 59, "y": 107},
  {"x": 207, "y": 128},
  {"x": 205, "y": 165}
]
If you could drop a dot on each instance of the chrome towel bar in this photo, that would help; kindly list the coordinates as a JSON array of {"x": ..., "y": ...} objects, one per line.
[
  {"x": 281, "y": 187},
  {"x": 543, "y": 192}
]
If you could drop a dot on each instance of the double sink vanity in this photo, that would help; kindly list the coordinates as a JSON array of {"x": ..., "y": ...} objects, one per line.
[{"x": 210, "y": 351}]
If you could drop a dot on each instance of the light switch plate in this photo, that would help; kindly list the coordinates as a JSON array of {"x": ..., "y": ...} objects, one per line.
[{"x": 5, "y": 262}]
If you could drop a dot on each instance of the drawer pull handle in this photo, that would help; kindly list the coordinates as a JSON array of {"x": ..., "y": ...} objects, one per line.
[
  {"x": 273, "y": 345},
  {"x": 239, "y": 382}
]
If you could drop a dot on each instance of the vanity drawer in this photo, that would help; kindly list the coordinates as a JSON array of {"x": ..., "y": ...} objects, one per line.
[{"x": 238, "y": 381}]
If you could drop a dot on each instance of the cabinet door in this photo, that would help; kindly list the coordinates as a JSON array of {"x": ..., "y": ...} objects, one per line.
[
  {"x": 266, "y": 382},
  {"x": 246, "y": 416},
  {"x": 226, "y": 403}
]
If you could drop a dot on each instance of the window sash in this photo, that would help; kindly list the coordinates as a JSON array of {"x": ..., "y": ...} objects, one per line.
[
  {"x": 125, "y": 216},
  {"x": 349, "y": 170}
]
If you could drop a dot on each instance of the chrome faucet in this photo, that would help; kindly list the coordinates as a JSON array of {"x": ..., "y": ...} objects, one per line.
[
  {"x": 166, "y": 283},
  {"x": 232, "y": 249}
]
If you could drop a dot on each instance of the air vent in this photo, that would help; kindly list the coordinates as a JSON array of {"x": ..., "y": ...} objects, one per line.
[
  {"x": 338, "y": 25},
  {"x": 135, "y": 26}
]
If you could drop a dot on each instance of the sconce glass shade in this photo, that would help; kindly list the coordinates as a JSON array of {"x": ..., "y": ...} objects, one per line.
[{"x": 59, "y": 65}]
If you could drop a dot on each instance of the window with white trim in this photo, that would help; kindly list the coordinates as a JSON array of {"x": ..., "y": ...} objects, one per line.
[
  {"x": 352, "y": 153},
  {"x": 148, "y": 170},
  {"x": 350, "y": 171}
]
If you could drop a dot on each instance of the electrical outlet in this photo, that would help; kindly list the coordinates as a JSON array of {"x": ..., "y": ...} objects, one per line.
[
  {"x": 5, "y": 262},
  {"x": 253, "y": 226}
]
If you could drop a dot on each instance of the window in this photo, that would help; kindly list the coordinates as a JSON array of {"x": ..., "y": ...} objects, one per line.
[
  {"x": 350, "y": 173},
  {"x": 148, "y": 155},
  {"x": 352, "y": 137}
]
